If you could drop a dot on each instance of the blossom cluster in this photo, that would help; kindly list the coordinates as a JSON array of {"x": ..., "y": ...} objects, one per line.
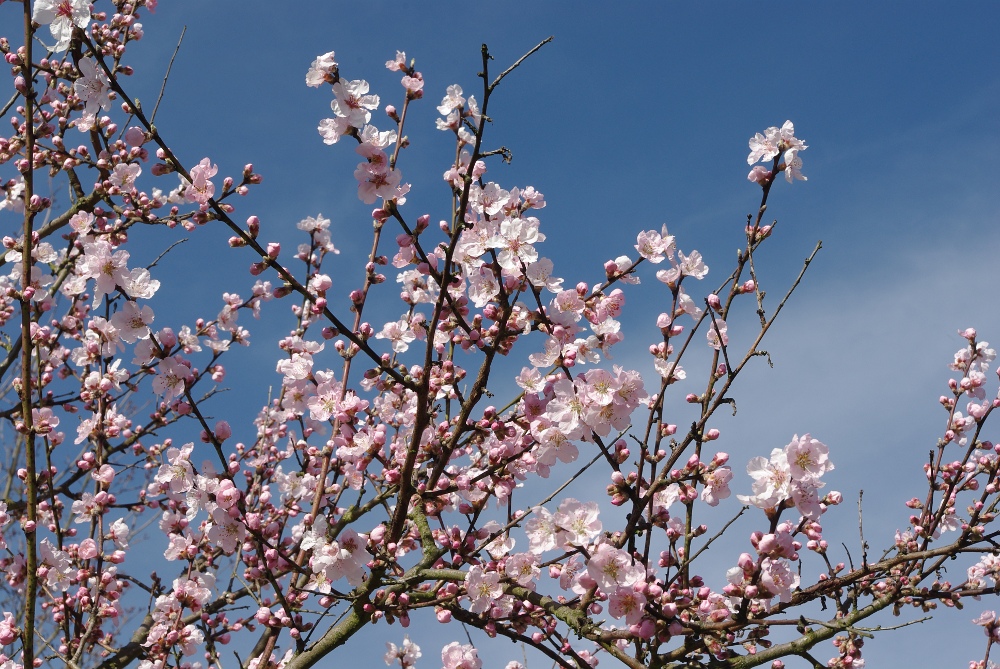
[
  {"x": 771, "y": 146},
  {"x": 378, "y": 482}
]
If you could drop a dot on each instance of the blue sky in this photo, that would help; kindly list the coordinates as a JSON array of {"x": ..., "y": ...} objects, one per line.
[{"x": 636, "y": 115}]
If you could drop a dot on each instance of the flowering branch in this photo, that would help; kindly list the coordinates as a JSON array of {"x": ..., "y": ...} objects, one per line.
[{"x": 369, "y": 496}]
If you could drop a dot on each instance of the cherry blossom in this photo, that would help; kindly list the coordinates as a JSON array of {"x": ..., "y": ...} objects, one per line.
[
  {"x": 321, "y": 69},
  {"x": 458, "y": 656},
  {"x": 407, "y": 654},
  {"x": 132, "y": 322},
  {"x": 808, "y": 458},
  {"x": 353, "y": 102},
  {"x": 483, "y": 588},
  {"x": 394, "y": 469},
  {"x": 93, "y": 87},
  {"x": 772, "y": 480},
  {"x": 171, "y": 378},
  {"x": 62, "y": 16},
  {"x": 200, "y": 189},
  {"x": 399, "y": 335},
  {"x": 611, "y": 568}
]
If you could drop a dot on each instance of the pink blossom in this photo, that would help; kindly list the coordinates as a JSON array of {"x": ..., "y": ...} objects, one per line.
[
  {"x": 987, "y": 619},
  {"x": 793, "y": 166},
  {"x": 9, "y": 633},
  {"x": 200, "y": 189},
  {"x": 60, "y": 566},
  {"x": 353, "y": 102},
  {"x": 716, "y": 486},
  {"x": 759, "y": 175},
  {"x": 655, "y": 246},
  {"x": 93, "y": 87},
  {"x": 611, "y": 567},
  {"x": 407, "y": 655},
  {"x": 44, "y": 420},
  {"x": 483, "y": 587},
  {"x": 413, "y": 84},
  {"x": 522, "y": 568},
  {"x": 376, "y": 181},
  {"x": 399, "y": 335},
  {"x": 458, "y": 656},
  {"x": 577, "y": 521},
  {"x": 104, "y": 474},
  {"x": 541, "y": 530},
  {"x": 540, "y": 275},
  {"x": 669, "y": 370},
  {"x": 124, "y": 176},
  {"x": 88, "y": 549},
  {"x": 296, "y": 368},
  {"x": 321, "y": 70},
  {"x": 13, "y": 197},
  {"x": 62, "y": 16},
  {"x": 664, "y": 498},
  {"x": 226, "y": 532},
  {"x": 763, "y": 146},
  {"x": 89, "y": 506},
  {"x": 119, "y": 533},
  {"x": 135, "y": 136},
  {"x": 808, "y": 458},
  {"x": 395, "y": 66},
  {"x": 132, "y": 322},
  {"x": 452, "y": 100},
  {"x": 483, "y": 286},
  {"x": 779, "y": 578},
  {"x": 717, "y": 333},
  {"x": 627, "y": 602},
  {"x": 103, "y": 335},
  {"x": 106, "y": 268},
  {"x": 139, "y": 284},
  {"x": 372, "y": 139},
  {"x": 343, "y": 558},
  {"x": 332, "y": 129},
  {"x": 693, "y": 265},
  {"x": 171, "y": 379},
  {"x": 772, "y": 480}
]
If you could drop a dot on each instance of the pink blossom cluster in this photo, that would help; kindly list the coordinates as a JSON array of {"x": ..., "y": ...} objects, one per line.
[
  {"x": 379, "y": 482},
  {"x": 771, "y": 146}
]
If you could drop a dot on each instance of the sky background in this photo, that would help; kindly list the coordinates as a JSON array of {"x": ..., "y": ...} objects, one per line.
[{"x": 636, "y": 115}]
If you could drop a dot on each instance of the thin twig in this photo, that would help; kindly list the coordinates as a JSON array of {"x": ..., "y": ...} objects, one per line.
[
  {"x": 519, "y": 61},
  {"x": 861, "y": 531},
  {"x": 717, "y": 535},
  {"x": 10, "y": 103},
  {"x": 165, "y": 252},
  {"x": 170, "y": 65}
]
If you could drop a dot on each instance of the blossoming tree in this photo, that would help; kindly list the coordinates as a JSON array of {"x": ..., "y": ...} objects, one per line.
[{"x": 381, "y": 483}]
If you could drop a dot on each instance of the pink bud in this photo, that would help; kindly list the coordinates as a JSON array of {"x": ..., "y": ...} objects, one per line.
[
  {"x": 88, "y": 549},
  {"x": 223, "y": 431},
  {"x": 134, "y": 136}
]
